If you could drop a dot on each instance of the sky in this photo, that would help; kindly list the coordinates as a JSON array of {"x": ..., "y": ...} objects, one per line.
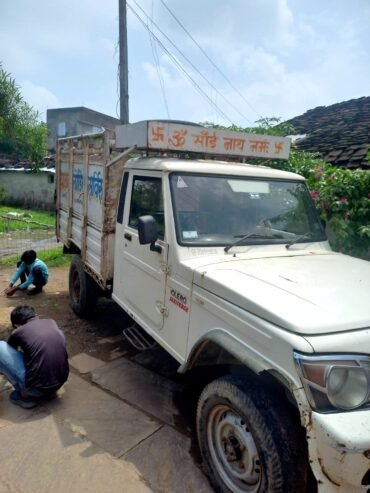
[{"x": 258, "y": 58}]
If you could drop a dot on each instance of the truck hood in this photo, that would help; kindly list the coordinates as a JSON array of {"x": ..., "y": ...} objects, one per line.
[{"x": 306, "y": 294}]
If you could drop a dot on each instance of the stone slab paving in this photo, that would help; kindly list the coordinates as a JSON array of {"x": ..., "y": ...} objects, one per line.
[
  {"x": 140, "y": 387},
  {"x": 89, "y": 440},
  {"x": 158, "y": 360},
  {"x": 10, "y": 414},
  {"x": 84, "y": 363},
  {"x": 164, "y": 459},
  {"x": 102, "y": 418},
  {"x": 40, "y": 455}
]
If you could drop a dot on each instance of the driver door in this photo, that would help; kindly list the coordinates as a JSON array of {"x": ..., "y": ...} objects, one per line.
[{"x": 141, "y": 285}]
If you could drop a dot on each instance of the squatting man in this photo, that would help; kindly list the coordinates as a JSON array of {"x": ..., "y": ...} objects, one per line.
[
  {"x": 34, "y": 359},
  {"x": 30, "y": 270}
]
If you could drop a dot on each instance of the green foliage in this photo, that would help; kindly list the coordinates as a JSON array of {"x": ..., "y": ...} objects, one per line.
[
  {"x": 268, "y": 126},
  {"x": 343, "y": 199},
  {"x": 54, "y": 257},
  {"x": 342, "y": 196},
  {"x": 22, "y": 135}
]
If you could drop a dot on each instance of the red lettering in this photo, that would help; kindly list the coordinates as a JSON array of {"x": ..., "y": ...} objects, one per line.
[
  {"x": 259, "y": 145},
  {"x": 179, "y": 304}
]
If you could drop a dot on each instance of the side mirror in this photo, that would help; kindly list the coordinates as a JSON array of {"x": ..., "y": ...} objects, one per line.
[{"x": 148, "y": 233}]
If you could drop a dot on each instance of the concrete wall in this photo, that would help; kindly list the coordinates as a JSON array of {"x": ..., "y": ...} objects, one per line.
[
  {"x": 29, "y": 189},
  {"x": 77, "y": 121}
]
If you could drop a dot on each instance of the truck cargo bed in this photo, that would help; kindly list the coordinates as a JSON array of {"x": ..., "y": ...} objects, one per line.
[{"x": 88, "y": 185}]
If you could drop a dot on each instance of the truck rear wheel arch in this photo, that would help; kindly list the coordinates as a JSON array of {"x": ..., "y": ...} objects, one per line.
[
  {"x": 83, "y": 291},
  {"x": 71, "y": 248}
]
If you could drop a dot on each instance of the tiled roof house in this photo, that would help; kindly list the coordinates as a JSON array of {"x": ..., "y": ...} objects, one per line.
[{"x": 340, "y": 132}]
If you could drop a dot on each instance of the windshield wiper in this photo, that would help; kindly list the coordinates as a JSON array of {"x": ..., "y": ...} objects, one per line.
[
  {"x": 298, "y": 238},
  {"x": 240, "y": 240}
]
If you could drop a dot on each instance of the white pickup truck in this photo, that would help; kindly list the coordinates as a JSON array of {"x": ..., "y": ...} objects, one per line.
[{"x": 226, "y": 265}]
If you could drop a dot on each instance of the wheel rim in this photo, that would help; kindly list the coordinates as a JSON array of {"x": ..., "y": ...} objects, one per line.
[
  {"x": 76, "y": 286},
  {"x": 233, "y": 450}
]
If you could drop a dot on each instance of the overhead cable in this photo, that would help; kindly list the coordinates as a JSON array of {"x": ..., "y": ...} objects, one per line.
[
  {"x": 210, "y": 59},
  {"x": 180, "y": 67},
  {"x": 191, "y": 64}
]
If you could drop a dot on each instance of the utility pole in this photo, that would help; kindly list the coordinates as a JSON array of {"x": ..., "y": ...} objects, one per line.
[{"x": 123, "y": 61}]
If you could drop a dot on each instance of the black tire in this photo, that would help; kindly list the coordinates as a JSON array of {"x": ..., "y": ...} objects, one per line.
[
  {"x": 247, "y": 440},
  {"x": 83, "y": 291}
]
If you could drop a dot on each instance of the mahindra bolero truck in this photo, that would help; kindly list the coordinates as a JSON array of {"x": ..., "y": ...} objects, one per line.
[{"x": 227, "y": 266}]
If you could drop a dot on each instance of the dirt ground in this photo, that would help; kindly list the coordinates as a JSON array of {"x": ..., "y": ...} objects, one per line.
[{"x": 99, "y": 336}]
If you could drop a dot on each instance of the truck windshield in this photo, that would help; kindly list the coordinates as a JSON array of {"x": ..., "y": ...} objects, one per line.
[{"x": 220, "y": 210}]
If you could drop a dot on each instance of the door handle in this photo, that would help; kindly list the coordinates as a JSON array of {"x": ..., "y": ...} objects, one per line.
[{"x": 127, "y": 236}]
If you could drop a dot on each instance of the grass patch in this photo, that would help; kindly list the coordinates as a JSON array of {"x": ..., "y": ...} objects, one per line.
[
  {"x": 27, "y": 219},
  {"x": 53, "y": 257}
]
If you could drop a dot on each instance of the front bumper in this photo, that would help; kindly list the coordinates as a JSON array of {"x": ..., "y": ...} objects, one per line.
[{"x": 339, "y": 449}]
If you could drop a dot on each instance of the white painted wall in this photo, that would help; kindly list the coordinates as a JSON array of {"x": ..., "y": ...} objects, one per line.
[{"x": 29, "y": 189}]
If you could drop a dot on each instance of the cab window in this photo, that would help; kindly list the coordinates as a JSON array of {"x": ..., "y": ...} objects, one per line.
[{"x": 147, "y": 199}]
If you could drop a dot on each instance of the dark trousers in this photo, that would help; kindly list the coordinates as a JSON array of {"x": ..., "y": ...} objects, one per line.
[{"x": 38, "y": 278}]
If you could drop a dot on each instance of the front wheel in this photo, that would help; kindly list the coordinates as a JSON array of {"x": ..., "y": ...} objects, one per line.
[
  {"x": 83, "y": 291},
  {"x": 248, "y": 443}
]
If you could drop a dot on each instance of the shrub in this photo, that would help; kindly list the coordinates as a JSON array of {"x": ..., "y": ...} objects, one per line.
[{"x": 342, "y": 197}]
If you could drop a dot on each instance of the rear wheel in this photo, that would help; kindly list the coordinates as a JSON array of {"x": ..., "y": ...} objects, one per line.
[
  {"x": 247, "y": 442},
  {"x": 83, "y": 291}
]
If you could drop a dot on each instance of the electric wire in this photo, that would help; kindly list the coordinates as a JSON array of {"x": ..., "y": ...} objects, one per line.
[
  {"x": 180, "y": 67},
  {"x": 210, "y": 60},
  {"x": 192, "y": 65}
]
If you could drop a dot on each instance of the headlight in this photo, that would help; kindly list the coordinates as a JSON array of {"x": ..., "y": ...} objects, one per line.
[
  {"x": 348, "y": 388},
  {"x": 335, "y": 382}
]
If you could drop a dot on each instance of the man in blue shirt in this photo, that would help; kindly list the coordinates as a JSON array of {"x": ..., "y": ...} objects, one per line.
[{"x": 30, "y": 270}]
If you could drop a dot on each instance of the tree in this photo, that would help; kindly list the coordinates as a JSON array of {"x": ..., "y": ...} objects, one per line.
[{"x": 22, "y": 134}]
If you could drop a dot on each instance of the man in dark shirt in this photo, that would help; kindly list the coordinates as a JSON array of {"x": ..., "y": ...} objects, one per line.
[{"x": 40, "y": 368}]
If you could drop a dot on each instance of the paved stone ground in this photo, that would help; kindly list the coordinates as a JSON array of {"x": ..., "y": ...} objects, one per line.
[
  {"x": 93, "y": 440},
  {"x": 118, "y": 424}
]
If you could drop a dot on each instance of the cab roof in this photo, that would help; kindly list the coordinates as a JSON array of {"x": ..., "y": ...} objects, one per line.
[{"x": 209, "y": 167}]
